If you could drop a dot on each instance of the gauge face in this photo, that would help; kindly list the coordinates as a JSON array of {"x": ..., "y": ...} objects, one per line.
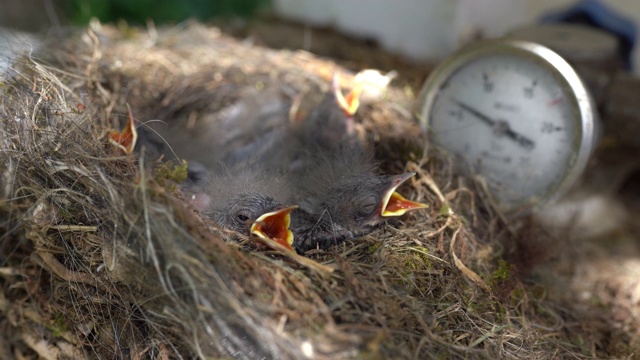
[{"x": 509, "y": 115}]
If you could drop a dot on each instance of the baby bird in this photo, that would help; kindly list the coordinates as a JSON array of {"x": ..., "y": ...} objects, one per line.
[
  {"x": 343, "y": 198},
  {"x": 335, "y": 180},
  {"x": 246, "y": 201},
  {"x": 240, "y": 133},
  {"x": 221, "y": 184},
  {"x": 330, "y": 123}
]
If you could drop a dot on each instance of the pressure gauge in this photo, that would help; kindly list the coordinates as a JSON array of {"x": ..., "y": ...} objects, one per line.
[{"x": 515, "y": 113}]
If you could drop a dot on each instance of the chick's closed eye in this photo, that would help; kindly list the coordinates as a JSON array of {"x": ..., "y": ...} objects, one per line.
[{"x": 366, "y": 205}]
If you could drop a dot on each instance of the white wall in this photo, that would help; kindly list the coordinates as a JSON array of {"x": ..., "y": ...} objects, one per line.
[
  {"x": 430, "y": 29},
  {"x": 414, "y": 27}
]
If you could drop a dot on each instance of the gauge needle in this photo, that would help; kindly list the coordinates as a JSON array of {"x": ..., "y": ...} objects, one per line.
[{"x": 501, "y": 127}]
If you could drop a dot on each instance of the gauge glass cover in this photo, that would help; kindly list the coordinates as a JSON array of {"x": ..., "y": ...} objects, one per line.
[{"x": 515, "y": 113}]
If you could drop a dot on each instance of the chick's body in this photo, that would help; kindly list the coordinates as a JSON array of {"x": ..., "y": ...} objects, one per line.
[
  {"x": 253, "y": 157},
  {"x": 341, "y": 197},
  {"x": 238, "y": 134},
  {"x": 334, "y": 177}
]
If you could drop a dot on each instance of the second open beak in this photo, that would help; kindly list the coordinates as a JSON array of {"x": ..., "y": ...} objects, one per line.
[{"x": 394, "y": 204}]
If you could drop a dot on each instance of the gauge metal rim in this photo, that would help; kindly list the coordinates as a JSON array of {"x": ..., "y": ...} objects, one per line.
[{"x": 573, "y": 87}]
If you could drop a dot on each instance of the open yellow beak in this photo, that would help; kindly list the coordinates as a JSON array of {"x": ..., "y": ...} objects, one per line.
[
  {"x": 127, "y": 138},
  {"x": 350, "y": 103},
  {"x": 274, "y": 226},
  {"x": 394, "y": 204}
]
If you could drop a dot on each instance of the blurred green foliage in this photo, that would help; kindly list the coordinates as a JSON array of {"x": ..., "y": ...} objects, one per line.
[{"x": 160, "y": 11}]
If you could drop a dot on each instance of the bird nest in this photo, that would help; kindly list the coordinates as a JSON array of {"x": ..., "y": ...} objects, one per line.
[{"x": 102, "y": 259}]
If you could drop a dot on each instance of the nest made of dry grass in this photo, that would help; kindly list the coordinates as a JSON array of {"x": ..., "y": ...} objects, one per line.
[{"x": 99, "y": 260}]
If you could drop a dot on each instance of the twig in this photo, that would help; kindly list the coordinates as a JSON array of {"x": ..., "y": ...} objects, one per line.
[
  {"x": 462, "y": 267},
  {"x": 49, "y": 262}
]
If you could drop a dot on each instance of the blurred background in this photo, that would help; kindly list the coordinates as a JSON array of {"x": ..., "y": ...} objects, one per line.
[{"x": 415, "y": 29}]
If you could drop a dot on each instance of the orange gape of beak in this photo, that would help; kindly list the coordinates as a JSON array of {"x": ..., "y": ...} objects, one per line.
[
  {"x": 350, "y": 103},
  {"x": 274, "y": 226},
  {"x": 394, "y": 204},
  {"x": 127, "y": 138},
  {"x": 398, "y": 205}
]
